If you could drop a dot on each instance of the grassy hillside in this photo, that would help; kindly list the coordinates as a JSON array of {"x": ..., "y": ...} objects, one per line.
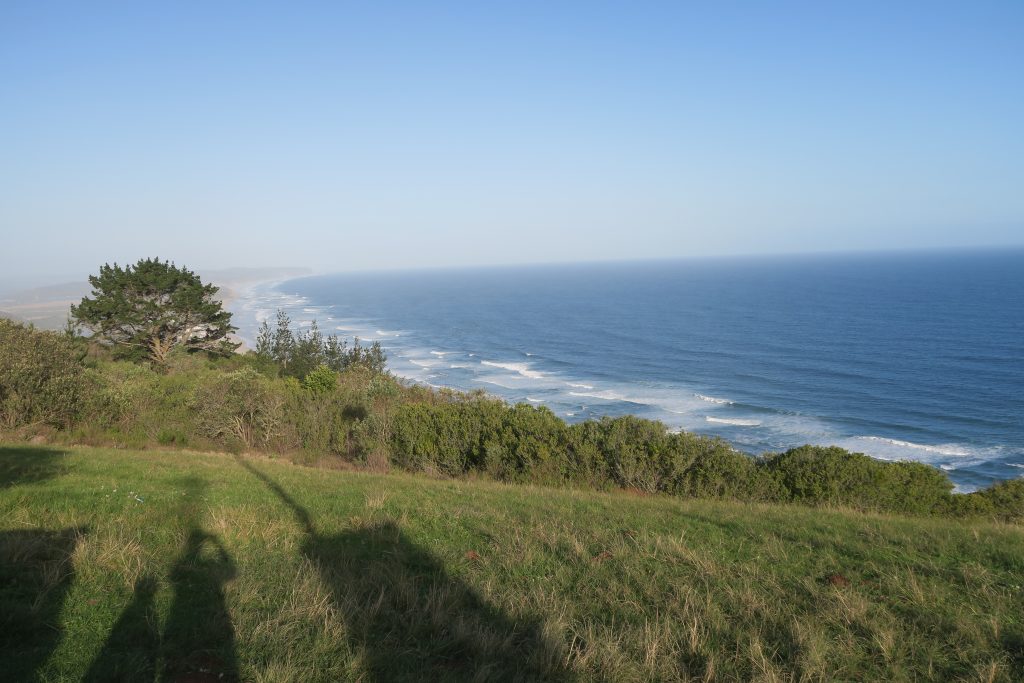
[{"x": 174, "y": 566}]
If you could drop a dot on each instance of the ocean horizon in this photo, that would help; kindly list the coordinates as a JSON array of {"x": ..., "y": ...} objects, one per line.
[{"x": 900, "y": 355}]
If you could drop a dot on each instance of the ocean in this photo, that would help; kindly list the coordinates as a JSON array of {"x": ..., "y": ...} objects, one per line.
[{"x": 916, "y": 356}]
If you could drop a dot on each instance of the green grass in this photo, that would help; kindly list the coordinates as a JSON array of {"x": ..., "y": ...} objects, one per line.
[{"x": 176, "y": 566}]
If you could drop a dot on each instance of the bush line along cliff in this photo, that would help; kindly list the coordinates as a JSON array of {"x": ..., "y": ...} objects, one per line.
[{"x": 326, "y": 402}]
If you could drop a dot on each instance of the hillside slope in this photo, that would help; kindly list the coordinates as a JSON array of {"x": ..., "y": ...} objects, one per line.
[{"x": 175, "y": 566}]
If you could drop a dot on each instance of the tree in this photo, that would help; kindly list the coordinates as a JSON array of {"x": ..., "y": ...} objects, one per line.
[
  {"x": 265, "y": 342},
  {"x": 299, "y": 353},
  {"x": 145, "y": 310}
]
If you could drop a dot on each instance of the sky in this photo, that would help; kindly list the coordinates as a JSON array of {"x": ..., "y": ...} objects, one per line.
[{"x": 345, "y": 136}]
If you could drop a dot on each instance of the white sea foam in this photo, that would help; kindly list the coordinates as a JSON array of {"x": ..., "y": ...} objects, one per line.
[
  {"x": 518, "y": 368},
  {"x": 943, "y": 449},
  {"x": 736, "y": 422},
  {"x": 496, "y": 381},
  {"x": 678, "y": 405},
  {"x": 712, "y": 399},
  {"x": 949, "y": 457},
  {"x": 607, "y": 395}
]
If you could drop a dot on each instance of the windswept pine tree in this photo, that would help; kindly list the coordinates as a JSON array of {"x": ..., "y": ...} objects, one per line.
[{"x": 144, "y": 311}]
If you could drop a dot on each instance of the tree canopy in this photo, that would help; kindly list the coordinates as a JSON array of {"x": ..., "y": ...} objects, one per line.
[
  {"x": 145, "y": 310},
  {"x": 299, "y": 353}
]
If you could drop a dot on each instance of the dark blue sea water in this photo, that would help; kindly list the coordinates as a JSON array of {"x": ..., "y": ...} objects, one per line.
[{"x": 901, "y": 356}]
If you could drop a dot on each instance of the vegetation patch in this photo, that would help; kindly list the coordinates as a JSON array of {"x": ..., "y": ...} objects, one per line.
[
  {"x": 173, "y": 565},
  {"x": 319, "y": 400}
]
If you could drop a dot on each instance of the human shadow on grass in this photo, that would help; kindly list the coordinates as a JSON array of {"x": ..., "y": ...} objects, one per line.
[
  {"x": 410, "y": 619},
  {"x": 36, "y": 572},
  {"x": 130, "y": 651},
  {"x": 197, "y": 642},
  {"x": 29, "y": 464}
]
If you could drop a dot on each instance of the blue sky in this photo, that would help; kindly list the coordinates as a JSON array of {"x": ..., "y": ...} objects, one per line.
[{"x": 389, "y": 135}]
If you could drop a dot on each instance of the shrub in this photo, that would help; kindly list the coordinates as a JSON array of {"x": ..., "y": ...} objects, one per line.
[
  {"x": 1003, "y": 501},
  {"x": 819, "y": 475},
  {"x": 320, "y": 380},
  {"x": 532, "y": 442},
  {"x": 41, "y": 377},
  {"x": 242, "y": 407},
  {"x": 717, "y": 470},
  {"x": 585, "y": 461},
  {"x": 171, "y": 437},
  {"x": 633, "y": 450},
  {"x": 444, "y": 437}
]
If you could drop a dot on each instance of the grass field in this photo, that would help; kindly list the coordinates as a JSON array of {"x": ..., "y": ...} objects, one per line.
[{"x": 175, "y": 566}]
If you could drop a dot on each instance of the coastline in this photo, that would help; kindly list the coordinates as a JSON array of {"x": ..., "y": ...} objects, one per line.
[
  {"x": 235, "y": 285},
  {"x": 442, "y": 356}
]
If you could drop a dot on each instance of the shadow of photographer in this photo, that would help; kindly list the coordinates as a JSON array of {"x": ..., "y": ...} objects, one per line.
[
  {"x": 36, "y": 573},
  {"x": 410, "y": 618},
  {"x": 29, "y": 464},
  {"x": 197, "y": 642}
]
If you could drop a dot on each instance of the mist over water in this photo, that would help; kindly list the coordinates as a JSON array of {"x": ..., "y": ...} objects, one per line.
[{"x": 900, "y": 356}]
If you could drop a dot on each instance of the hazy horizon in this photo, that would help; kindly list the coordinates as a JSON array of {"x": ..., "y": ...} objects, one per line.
[
  {"x": 361, "y": 138},
  {"x": 36, "y": 281}
]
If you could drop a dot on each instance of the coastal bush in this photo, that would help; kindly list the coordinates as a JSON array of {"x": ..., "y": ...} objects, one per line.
[
  {"x": 425, "y": 437},
  {"x": 41, "y": 377},
  {"x": 450, "y": 437},
  {"x": 717, "y": 470},
  {"x": 171, "y": 437},
  {"x": 586, "y": 465},
  {"x": 240, "y": 408},
  {"x": 320, "y": 380},
  {"x": 532, "y": 441},
  {"x": 527, "y": 443},
  {"x": 133, "y": 404},
  {"x": 319, "y": 419},
  {"x": 250, "y": 402},
  {"x": 819, "y": 475},
  {"x": 1003, "y": 501},
  {"x": 634, "y": 452}
]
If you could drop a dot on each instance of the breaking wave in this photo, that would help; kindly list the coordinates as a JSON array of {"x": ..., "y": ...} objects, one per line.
[
  {"x": 736, "y": 422},
  {"x": 522, "y": 369}
]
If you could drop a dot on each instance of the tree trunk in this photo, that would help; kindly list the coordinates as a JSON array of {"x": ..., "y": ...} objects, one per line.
[{"x": 158, "y": 349}]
